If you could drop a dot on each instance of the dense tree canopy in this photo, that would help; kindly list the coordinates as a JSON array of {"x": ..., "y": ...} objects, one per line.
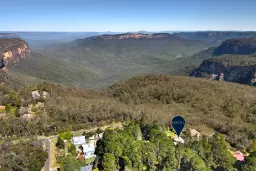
[
  {"x": 155, "y": 151},
  {"x": 22, "y": 155}
]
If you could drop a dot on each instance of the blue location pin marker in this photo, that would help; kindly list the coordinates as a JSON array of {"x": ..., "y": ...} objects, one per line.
[{"x": 178, "y": 123}]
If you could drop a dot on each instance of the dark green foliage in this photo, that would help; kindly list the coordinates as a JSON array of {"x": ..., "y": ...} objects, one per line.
[
  {"x": 7, "y": 108},
  {"x": 99, "y": 131},
  {"x": 88, "y": 135},
  {"x": 70, "y": 163},
  {"x": 203, "y": 149},
  {"x": 252, "y": 149},
  {"x": 108, "y": 162},
  {"x": 66, "y": 135},
  {"x": 60, "y": 143},
  {"x": 72, "y": 149},
  {"x": 222, "y": 157},
  {"x": 23, "y": 156},
  {"x": 250, "y": 163},
  {"x": 197, "y": 164},
  {"x": 119, "y": 149},
  {"x": 81, "y": 148}
]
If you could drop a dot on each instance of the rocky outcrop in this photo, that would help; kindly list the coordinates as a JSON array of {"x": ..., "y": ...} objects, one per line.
[
  {"x": 234, "y": 60},
  {"x": 237, "y": 46},
  {"x": 37, "y": 94},
  {"x": 12, "y": 50},
  {"x": 232, "y": 68},
  {"x": 195, "y": 133},
  {"x": 133, "y": 36}
]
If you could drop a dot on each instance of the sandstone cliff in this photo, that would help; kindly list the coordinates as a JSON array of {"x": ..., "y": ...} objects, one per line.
[
  {"x": 234, "y": 68},
  {"x": 12, "y": 50},
  {"x": 234, "y": 60}
]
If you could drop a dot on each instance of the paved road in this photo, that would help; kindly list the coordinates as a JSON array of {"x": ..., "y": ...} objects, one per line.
[
  {"x": 47, "y": 142},
  {"x": 47, "y": 164}
]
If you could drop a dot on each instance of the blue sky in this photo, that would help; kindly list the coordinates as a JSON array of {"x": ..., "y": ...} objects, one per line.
[{"x": 127, "y": 15}]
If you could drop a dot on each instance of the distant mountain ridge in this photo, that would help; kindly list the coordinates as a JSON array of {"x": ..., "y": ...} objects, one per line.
[
  {"x": 8, "y": 35},
  {"x": 132, "y": 36},
  {"x": 215, "y": 37},
  {"x": 101, "y": 60},
  {"x": 111, "y": 58}
]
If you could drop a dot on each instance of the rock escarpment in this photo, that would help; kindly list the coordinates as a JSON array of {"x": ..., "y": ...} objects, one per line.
[
  {"x": 234, "y": 60},
  {"x": 12, "y": 50},
  {"x": 235, "y": 68}
]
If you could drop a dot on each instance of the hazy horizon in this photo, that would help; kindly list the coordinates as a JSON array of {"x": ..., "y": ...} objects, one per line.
[
  {"x": 34, "y": 31},
  {"x": 127, "y": 16}
]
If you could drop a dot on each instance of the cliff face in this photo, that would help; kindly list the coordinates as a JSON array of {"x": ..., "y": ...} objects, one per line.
[
  {"x": 237, "y": 46},
  {"x": 234, "y": 59},
  {"x": 12, "y": 50},
  {"x": 236, "y": 68}
]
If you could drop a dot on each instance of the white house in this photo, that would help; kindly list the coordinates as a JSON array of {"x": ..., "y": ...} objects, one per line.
[
  {"x": 178, "y": 139},
  {"x": 88, "y": 145},
  {"x": 77, "y": 141},
  {"x": 89, "y": 150}
]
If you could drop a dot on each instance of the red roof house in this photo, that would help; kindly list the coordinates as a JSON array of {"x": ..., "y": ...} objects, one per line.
[{"x": 238, "y": 155}]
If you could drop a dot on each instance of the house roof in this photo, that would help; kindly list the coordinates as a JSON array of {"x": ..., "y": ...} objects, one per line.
[
  {"x": 178, "y": 139},
  {"x": 238, "y": 155},
  {"x": 89, "y": 155},
  {"x": 88, "y": 148},
  {"x": 79, "y": 140}
]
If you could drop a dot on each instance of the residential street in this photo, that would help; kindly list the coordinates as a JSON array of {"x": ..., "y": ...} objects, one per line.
[{"x": 47, "y": 143}]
